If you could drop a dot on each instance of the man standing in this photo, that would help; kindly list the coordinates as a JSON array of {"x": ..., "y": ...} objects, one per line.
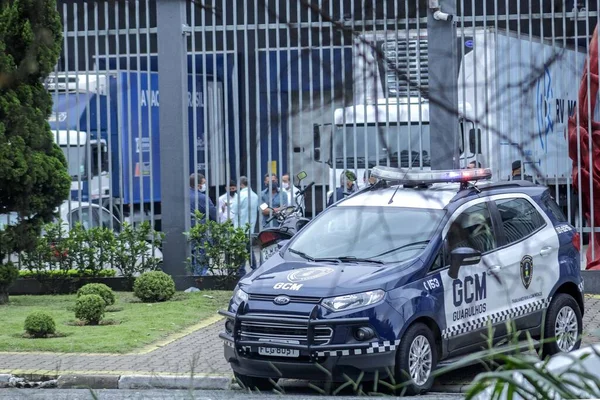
[
  {"x": 199, "y": 201},
  {"x": 517, "y": 173},
  {"x": 274, "y": 197},
  {"x": 226, "y": 201},
  {"x": 368, "y": 179},
  {"x": 292, "y": 192},
  {"x": 245, "y": 211},
  {"x": 347, "y": 187}
]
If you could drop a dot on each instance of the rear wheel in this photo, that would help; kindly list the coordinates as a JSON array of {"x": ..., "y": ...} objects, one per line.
[
  {"x": 563, "y": 326},
  {"x": 416, "y": 359},
  {"x": 254, "y": 383}
]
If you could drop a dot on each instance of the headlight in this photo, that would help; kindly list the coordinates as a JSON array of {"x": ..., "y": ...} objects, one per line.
[
  {"x": 341, "y": 303},
  {"x": 239, "y": 295}
]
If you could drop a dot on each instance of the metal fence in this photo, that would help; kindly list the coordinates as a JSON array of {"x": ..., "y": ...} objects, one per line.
[{"x": 254, "y": 89}]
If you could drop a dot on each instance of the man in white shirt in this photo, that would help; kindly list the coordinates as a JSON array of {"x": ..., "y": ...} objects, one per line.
[
  {"x": 292, "y": 192},
  {"x": 226, "y": 203},
  {"x": 245, "y": 211}
]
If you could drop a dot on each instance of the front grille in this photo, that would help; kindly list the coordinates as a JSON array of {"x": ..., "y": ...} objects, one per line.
[
  {"x": 290, "y": 333},
  {"x": 293, "y": 299},
  {"x": 406, "y": 60}
]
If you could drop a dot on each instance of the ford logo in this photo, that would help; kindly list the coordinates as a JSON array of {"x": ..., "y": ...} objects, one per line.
[{"x": 281, "y": 300}]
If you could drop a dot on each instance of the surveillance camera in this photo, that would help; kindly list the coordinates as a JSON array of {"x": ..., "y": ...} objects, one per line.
[{"x": 442, "y": 16}]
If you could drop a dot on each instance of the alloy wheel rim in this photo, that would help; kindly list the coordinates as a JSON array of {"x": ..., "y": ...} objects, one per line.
[
  {"x": 420, "y": 360},
  {"x": 566, "y": 329}
]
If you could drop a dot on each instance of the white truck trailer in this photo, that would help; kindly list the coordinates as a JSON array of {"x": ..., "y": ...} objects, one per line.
[{"x": 515, "y": 96}]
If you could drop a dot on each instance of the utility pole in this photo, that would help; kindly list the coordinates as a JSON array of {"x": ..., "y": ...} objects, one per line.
[
  {"x": 443, "y": 117},
  {"x": 174, "y": 132}
]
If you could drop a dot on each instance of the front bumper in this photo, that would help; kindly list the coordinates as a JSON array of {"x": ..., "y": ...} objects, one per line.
[{"x": 372, "y": 358}]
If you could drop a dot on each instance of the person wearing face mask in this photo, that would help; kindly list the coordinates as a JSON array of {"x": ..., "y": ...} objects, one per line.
[
  {"x": 347, "y": 187},
  {"x": 226, "y": 202},
  {"x": 200, "y": 201},
  {"x": 273, "y": 196},
  {"x": 292, "y": 192}
]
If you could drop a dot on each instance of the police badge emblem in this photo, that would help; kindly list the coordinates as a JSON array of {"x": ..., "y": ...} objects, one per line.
[{"x": 526, "y": 271}]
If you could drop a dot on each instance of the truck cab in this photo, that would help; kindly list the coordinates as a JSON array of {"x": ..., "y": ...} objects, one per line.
[
  {"x": 393, "y": 132},
  {"x": 78, "y": 123}
]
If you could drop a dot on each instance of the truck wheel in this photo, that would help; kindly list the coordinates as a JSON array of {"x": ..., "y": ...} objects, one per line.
[
  {"x": 254, "y": 383},
  {"x": 416, "y": 359},
  {"x": 563, "y": 326}
]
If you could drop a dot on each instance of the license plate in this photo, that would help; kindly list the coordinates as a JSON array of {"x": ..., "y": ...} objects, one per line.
[
  {"x": 269, "y": 251},
  {"x": 278, "y": 352}
]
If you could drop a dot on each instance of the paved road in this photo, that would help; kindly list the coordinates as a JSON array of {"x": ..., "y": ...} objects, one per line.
[
  {"x": 32, "y": 394},
  {"x": 200, "y": 352}
]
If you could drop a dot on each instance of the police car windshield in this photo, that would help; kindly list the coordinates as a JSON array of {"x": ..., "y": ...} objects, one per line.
[{"x": 386, "y": 234}]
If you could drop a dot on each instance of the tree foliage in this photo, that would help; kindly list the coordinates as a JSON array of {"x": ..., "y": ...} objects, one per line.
[{"x": 33, "y": 169}]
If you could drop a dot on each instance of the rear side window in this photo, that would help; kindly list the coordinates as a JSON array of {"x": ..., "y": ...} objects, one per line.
[
  {"x": 554, "y": 209},
  {"x": 519, "y": 218}
]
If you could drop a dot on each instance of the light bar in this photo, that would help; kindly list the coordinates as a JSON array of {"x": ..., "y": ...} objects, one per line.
[{"x": 411, "y": 176}]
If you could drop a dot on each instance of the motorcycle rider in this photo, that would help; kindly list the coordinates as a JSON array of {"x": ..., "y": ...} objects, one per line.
[
  {"x": 273, "y": 196},
  {"x": 292, "y": 192}
]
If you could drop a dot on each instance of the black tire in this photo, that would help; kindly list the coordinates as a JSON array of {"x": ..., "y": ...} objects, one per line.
[
  {"x": 254, "y": 383},
  {"x": 561, "y": 302},
  {"x": 415, "y": 332}
]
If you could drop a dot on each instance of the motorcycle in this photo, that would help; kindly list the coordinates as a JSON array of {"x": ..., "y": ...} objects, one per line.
[{"x": 291, "y": 219}]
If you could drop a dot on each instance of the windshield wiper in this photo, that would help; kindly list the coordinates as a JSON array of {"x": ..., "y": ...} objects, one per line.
[
  {"x": 422, "y": 242},
  {"x": 313, "y": 259},
  {"x": 357, "y": 259}
]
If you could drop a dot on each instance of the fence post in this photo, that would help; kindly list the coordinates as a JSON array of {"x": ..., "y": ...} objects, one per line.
[
  {"x": 443, "y": 74},
  {"x": 174, "y": 132}
]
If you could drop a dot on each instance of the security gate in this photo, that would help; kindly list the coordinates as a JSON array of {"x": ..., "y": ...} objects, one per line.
[{"x": 274, "y": 88}]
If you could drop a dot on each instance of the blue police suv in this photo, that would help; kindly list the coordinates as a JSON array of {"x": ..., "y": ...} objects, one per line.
[{"x": 406, "y": 276}]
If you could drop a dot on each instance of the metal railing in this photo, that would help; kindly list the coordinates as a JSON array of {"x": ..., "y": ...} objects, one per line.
[{"x": 319, "y": 87}]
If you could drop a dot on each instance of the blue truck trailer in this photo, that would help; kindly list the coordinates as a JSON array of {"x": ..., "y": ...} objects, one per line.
[{"x": 108, "y": 128}]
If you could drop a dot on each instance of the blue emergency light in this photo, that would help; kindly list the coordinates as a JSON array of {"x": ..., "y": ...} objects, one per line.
[{"x": 420, "y": 177}]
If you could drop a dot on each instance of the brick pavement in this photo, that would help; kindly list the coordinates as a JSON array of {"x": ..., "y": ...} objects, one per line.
[{"x": 200, "y": 352}]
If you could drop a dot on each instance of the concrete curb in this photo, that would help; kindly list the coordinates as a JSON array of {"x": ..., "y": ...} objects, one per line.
[
  {"x": 108, "y": 381},
  {"x": 88, "y": 382},
  {"x": 4, "y": 379},
  {"x": 175, "y": 382},
  {"x": 449, "y": 388}
]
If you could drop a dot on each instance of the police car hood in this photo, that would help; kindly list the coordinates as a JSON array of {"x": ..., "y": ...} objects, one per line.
[{"x": 323, "y": 279}]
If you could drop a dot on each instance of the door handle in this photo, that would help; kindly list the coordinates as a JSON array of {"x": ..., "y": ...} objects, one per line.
[
  {"x": 495, "y": 268},
  {"x": 546, "y": 251}
]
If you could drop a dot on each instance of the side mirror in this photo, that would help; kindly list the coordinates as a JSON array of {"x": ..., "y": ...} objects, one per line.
[
  {"x": 462, "y": 256},
  {"x": 263, "y": 206},
  {"x": 282, "y": 243},
  {"x": 475, "y": 141},
  {"x": 301, "y": 175}
]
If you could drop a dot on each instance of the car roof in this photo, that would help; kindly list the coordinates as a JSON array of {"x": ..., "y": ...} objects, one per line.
[{"x": 437, "y": 196}]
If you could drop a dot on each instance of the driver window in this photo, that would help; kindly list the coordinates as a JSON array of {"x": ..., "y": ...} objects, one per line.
[
  {"x": 85, "y": 216},
  {"x": 473, "y": 228}
]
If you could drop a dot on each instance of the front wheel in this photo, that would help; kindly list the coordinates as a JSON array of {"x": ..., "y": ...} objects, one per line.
[
  {"x": 416, "y": 359},
  {"x": 254, "y": 383},
  {"x": 563, "y": 326}
]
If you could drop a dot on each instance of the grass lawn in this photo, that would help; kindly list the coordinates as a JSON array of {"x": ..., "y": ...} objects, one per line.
[{"x": 135, "y": 323}]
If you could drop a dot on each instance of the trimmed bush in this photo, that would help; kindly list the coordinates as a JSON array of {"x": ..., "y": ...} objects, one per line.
[
  {"x": 39, "y": 324},
  {"x": 154, "y": 286},
  {"x": 71, "y": 273},
  {"x": 100, "y": 289},
  {"x": 90, "y": 308}
]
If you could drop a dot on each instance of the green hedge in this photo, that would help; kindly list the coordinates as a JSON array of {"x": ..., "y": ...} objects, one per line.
[{"x": 71, "y": 273}]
